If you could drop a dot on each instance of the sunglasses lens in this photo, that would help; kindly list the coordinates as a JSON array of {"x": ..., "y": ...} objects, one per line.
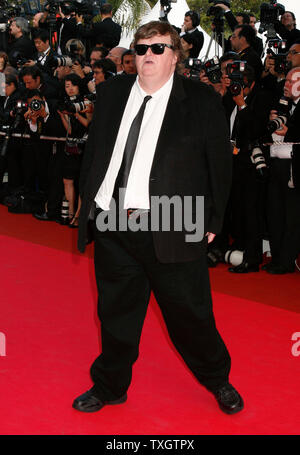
[
  {"x": 141, "y": 49},
  {"x": 157, "y": 48}
]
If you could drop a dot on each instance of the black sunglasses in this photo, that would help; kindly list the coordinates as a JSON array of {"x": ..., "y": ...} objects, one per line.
[{"x": 157, "y": 48}]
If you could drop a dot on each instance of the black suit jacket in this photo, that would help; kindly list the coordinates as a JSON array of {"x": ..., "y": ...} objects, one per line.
[
  {"x": 107, "y": 32},
  {"x": 192, "y": 157},
  {"x": 21, "y": 47}
]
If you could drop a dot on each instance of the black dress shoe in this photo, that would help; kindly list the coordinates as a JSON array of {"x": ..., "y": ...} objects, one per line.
[
  {"x": 267, "y": 266},
  {"x": 244, "y": 267},
  {"x": 280, "y": 269},
  {"x": 88, "y": 402},
  {"x": 46, "y": 217},
  {"x": 229, "y": 400}
]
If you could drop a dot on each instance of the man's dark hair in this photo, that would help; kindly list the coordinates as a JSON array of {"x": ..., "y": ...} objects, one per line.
[
  {"x": 11, "y": 79},
  {"x": 128, "y": 52},
  {"x": 246, "y": 17},
  {"x": 106, "y": 8},
  {"x": 32, "y": 71},
  {"x": 103, "y": 50},
  {"x": 247, "y": 32},
  {"x": 32, "y": 93},
  {"x": 229, "y": 56},
  {"x": 194, "y": 17},
  {"x": 41, "y": 34},
  {"x": 106, "y": 65},
  {"x": 296, "y": 42}
]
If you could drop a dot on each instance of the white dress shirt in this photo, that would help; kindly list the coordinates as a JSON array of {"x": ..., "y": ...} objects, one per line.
[{"x": 137, "y": 191}]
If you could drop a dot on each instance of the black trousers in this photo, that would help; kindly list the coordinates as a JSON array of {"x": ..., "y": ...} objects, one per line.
[
  {"x": 283, "y": 214},
  {"x": 126, "y": 271}
]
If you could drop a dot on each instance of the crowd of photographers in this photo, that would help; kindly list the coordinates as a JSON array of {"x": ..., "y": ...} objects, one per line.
[{"x": 52, "y": 70}]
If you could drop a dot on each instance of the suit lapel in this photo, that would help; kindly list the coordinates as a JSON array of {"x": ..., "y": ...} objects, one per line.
[{"x": 172, "y": 123}]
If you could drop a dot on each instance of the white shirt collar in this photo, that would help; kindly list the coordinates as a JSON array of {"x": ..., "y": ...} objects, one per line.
[{"x": 159, "y": 92}]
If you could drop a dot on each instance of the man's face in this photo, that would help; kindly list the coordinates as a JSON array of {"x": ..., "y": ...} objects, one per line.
[
  {"x": 292, "y": 84},
  {"x": 115, "y": 56},
  {"x": 287, "y": 20},
  {"x": 129, "y": 64},
  {"x": 188, "y": 24},
  {"x": 98, "y": 75},
  {"x": 95, "y": 55},
  {"x": 236, "y": 41},
  {"x": 9, "y": 89},
  {"x": 14, "y": 29},
  {"x": 293, "y": 55},
  {"x": 186, "y": 46},
  {"x": 240, "y": 20},
  {"x": 252, "y": 21},
  {"x": 159, "y": 68},
  {"x": 40, "y": 45},
  {"x": 31, "y": 83}
]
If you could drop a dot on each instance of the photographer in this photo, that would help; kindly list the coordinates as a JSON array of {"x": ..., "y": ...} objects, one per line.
[
  {"x": 34, "y": 79},
  {"x": 44, "y": 54},
  {"x": 248, "y": 120},
  {"x": 76, "y": 125},
  {"x": 107, "y": 32},
  {"x": 65, "y": 25},
  {"x": 240, "y": 19},
  {"x": 283, "y": 194},
  {"x": 21, "y": 47},
  {"x": 286, "y": 28},
  {"x": 242, "y": 41},
  {"x": 11, "y": 160}
]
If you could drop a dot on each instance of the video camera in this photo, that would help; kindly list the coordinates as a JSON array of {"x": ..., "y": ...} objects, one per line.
[
  {"x": 279, "y": 54},
  {"x": 218, "y": 14},
  {"x": 235, "y": 72},
  {"x": 195, "y": 66},
  {"x": 18, "y": 112},
  {"x": 166, "y": 7},
  {"x": 7, "y": 10},
  {"x": 269, "y": 15},
  {"x": 212, "y": 70}
]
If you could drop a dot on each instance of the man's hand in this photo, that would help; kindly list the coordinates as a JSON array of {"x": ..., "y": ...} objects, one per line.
[
  {"x": 210, "y": 237},
  {"x": 29, "y": 63},
  {"x": 221, "y": 5},
  {"x": 79, "y": 18},
  {"x": 239, "y": 99},
  {"x": 283, "y": 130},
  {"x": 61, "y": 13},
  {"x": 270, "y": 67}
]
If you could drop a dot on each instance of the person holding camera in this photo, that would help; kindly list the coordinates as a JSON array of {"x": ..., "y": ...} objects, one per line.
[
  {"x": 76, "y": 124},
  {"x": 283, "y": 196},
  {"x": 240, "y": 19},
  {"x": 286, "y": 28},
  {"x": 248, "y": 113},
  {"x": 21, "y": 46},
  {"x": 242, "y": 41},
  {"x": 11, "y": 159}
]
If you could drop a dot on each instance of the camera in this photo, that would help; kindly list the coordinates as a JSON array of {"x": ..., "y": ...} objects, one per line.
[
  {"x": 258, "y": 159},
  {"x": 283, "y": 114},
  {"x": 36, "y": 105},
  {"x": 235, "y": 72},
  {"x": 279, "y": 55},
  {"x": 212, "y": 70},
  {"x": 269, "y": 15},
  {"x": 72, "y": 105},
  {"x": 195, "y": 66},
  {"x": 166, "y": 7}
]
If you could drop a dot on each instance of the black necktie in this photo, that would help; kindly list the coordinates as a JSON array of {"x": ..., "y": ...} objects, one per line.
[{"x": 129, "y": 150}]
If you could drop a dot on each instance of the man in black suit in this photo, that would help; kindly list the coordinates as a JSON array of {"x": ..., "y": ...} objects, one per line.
[
  {"x": 106, "y": 33},
  {"x": 157, "y": 113},
  {"x": 284, "y": 185},
  {"x": 190, "y": 24},
  {"x": 21, "y": 46},
  {"x": 43, "y": 57},
  {"x": 242, "y": 41}
]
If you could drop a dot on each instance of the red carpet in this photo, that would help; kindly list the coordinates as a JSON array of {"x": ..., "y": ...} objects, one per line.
[{"x": 48, "y": 318}]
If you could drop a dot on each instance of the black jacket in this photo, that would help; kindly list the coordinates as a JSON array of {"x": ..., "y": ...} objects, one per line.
[
  {"x": 20, "y": 48},
  {"x": 192, "y": 157},
  {"x": 107, "y": 32}
]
